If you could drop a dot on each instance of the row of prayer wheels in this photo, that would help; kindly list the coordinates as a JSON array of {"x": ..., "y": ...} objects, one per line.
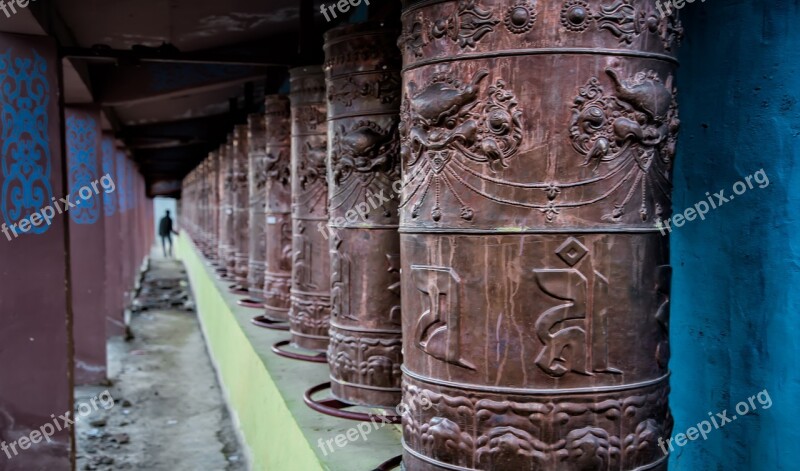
[{"x": 463, "y": 215}]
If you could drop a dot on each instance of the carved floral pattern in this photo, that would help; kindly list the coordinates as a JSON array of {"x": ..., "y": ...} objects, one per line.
[
  {"x": 604, "y": 431},
  {"x": 358, "y": 359},
  {"x": 467, "y": 25}
]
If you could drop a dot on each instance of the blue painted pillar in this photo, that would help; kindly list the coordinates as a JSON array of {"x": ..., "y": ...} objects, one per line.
[
  {"x": 88, "y": 189},
  {"x": 35, "y": 363},
  {"x": 736, "y": 302}
]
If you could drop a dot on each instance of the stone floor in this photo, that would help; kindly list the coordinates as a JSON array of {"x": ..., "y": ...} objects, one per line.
[{"x": 168, "y": 411}]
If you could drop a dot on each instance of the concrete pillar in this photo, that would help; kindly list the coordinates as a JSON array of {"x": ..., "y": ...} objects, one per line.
[
  {"x": 35, "y": 376},
  {"x": 115, "y": 322},
  {"x": 87, "y": 243}
]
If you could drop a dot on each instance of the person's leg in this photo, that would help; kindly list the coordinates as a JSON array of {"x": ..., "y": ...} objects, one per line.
[
  {"x": 164, "y": 246},
  {"x": 169, "y": 241}
]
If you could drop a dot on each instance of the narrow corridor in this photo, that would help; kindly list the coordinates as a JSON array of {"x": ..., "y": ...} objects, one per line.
[{"x": 168, "y": 411}]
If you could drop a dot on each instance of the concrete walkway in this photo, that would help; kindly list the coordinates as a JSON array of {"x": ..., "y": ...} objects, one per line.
[{"x": 168, "y": 411}]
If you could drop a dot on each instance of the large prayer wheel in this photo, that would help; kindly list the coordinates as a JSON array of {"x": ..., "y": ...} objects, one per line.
[
  {"x": 537, "y": 146},
  {"x": 278, "y": 217},
  {"x": 310, "y": 312},
  {"x": 209, "y": 241},
  {"x": 362, "y": 66},
  {"x": 241, "y": 205},
  {"x": 226, "y": 245},
  {"x": 213, "y": 185},
  {"x": 256, "y": 182}
]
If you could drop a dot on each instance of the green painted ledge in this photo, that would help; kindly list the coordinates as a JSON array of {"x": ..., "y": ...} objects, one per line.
[{"x": 265, "y": 391}]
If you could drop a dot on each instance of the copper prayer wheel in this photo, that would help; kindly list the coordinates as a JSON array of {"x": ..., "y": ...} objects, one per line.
[
  {"x": 205, "y": 210},
  {"x": 208, "y": 228},
  {"x": 226, "y": 247},
  {"x": 278, "y": 215},
  {"x": 362, "y": 67},
  {"x": 537, "y": 146},
  {"x": 213, "y": 185},
  {"x": 241, "y": 205},
  {"x": 310, "y": 293},
  {"x": 256, "y": 184}
]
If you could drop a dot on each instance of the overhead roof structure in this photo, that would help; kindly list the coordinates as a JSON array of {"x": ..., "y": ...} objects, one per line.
[{"x": 173, "y": 76}]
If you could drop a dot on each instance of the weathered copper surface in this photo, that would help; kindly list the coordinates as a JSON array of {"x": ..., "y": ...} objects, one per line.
[
  {"x": 362, "y": 67},
  {"x": 310, "y": 294},
  {"x": 537, "y": 146},
  {"x": 226, "y": 248},
  {"x": 213, "y": 209},
  {"x": 241, "y": 205},
  {"x": 278, "y": 212},
  {"x": 257, "y": 178}
]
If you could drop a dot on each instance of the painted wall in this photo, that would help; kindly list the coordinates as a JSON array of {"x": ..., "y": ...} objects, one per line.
[{"x": 736, "y": 302}]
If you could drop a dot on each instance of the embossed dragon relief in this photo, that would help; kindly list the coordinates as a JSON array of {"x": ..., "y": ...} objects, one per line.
[
  {"x": 599, "y": 433},
  {"x": 277, "y": 167},
  {"x": 452, "y": 131},
  {"x": 364, "y": 161},
  {"x": 258, "y": 176},
  {"x": 365, "y": 360},
  {"x": 470, "y": 22},
  {"x": 312, "y": 176},
  {"x": 446, "y": 123}
]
